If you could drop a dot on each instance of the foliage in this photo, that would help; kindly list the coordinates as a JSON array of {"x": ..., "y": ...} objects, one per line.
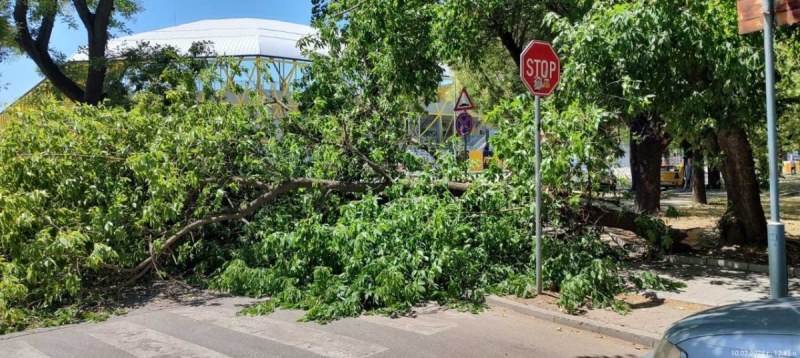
[
  {"x": 158, "y": 70},
  {"x": 648, "y": 280},
  {"x": 657, "y": 234},
  {"x": 579, "y": 149},
  {"x": 585, "y": 271},
  {"x": 89, "y": 192},
  {"x": 672, "y": 212},
  {"x": 481, "y": 41},
  {"x": 420, "y": 244},
  {"x": 86, "y": 193}
]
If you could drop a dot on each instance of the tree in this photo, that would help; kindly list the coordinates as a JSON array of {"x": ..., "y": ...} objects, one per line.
[
  {"x": 33, "y": 24},
  {"x": 731, "y": 75},
  {"x": 482, "y": 40},
  {"x": 625, "y": 56},
  {"x": 631, "y": 57}
]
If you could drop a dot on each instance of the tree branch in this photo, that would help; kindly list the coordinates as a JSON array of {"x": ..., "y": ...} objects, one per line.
[
  {"x": 98, "y": 39},
  {"x": 84, "y": 13},
  {"x": 269, "y": 194},
  {"x": 39, "y": 52},
  {"x": 266, "y": 197},
  {"x": 45, "y": 31},
  {"x": 377, "y": 168},
  {"x": 507, "y": 39}
]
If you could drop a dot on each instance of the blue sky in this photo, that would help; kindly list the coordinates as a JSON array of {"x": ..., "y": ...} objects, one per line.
[{"x": 20, "y": 74}]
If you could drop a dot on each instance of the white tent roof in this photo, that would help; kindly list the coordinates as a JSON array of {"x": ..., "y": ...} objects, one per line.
[{"x": 238, "y": 37}]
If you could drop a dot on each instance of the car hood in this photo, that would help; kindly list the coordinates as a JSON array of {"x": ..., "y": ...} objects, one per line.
[{"x": 779, "y": 316}]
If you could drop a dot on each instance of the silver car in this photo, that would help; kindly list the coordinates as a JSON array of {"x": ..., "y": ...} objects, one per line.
[{"x": 769, "y": 328}]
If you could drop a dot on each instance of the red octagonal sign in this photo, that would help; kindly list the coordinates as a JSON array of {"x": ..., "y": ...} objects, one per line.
[{"x": 540, "y": 68}]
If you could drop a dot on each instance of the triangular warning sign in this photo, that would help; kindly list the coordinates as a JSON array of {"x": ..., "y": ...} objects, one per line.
[{"x": 464, "y": 102}]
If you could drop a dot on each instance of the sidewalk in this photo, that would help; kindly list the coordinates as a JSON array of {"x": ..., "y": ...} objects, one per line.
[{"x": 653, "y": 312}]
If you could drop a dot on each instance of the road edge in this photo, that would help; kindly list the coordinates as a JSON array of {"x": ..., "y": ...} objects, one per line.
[{"x": 607, "y": 329}]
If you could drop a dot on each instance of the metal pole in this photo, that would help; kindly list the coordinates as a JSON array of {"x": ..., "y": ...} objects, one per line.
[
  {"x": 538, "y": 197},
  {"x": 466, "y": 152},
  {"x": 778, "y": 279}
]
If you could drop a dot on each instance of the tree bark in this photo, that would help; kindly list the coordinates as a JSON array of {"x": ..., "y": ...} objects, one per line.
[
  {"x": 648, "y": 142},
  {"x": 744, "y": 222},
  {"x": 699, "y": 179},
  {"x": 636, "y": 175},
  {"x": 96, "y": 24}
]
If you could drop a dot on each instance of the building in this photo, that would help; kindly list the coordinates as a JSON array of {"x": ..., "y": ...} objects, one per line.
[{"x": 269, "y": 49}]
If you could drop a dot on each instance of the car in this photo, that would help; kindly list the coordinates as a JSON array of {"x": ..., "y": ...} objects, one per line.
[
  {"x": 766, "y": 328},
  {"x": 671, "y": 176}
]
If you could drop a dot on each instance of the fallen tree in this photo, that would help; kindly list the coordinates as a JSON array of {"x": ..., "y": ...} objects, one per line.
[{"x": 94, "y": 199}]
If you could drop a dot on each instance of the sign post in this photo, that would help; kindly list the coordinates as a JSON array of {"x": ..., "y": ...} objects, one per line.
[
  {"x": 753, "y": 17},
  {"x": 778, "y": 279},
  {"x": 464, "y": 122},
  {"x": 540, "y": 70}
]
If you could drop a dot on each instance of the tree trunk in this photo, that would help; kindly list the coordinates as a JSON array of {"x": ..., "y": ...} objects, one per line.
[
  {"x": 699, "y": 179},
  {"x": 630, "y": 221},
  {"x": 714, "y": 178},
  {"x": 648, "y": 142},
  {"x": 744, "y": 222},
  {"x": 635, "y": 174}
]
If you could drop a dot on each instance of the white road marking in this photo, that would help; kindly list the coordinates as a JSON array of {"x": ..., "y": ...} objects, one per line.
[
  {"x": 20, "y": 349},
  {"x": 420, "y": 324},
  {"x": 143, "y": 342},
  {"x": 291, "y": 334}
]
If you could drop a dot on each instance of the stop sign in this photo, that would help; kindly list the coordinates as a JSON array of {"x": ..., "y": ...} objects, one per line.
[{"x": 540, "y": 68}]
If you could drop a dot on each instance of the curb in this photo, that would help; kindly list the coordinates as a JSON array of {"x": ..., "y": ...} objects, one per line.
[
  {"x": 607, "y": 329},
  {"x": 726, "y": 264}
]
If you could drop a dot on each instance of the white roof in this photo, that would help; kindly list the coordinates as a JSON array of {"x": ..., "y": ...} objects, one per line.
[{"x": 237, "y": 37}]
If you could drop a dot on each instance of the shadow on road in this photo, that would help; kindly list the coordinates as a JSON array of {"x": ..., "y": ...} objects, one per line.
[{"x": 166, "y": 294}]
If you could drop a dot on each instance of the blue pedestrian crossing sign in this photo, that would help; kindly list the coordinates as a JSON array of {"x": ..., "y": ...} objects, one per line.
[{"x": 464, "y": 124}]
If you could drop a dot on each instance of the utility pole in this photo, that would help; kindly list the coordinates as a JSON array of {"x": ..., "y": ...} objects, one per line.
[{"x": 778, "y": 279}]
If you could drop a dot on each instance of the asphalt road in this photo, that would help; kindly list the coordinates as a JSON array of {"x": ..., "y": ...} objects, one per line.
[{"x": 211, "y": 329}]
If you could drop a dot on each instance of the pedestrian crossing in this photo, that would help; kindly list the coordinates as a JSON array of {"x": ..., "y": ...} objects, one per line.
[
  {"x": 143, "y": 342},
  {"x": 422, "y": 324},
  {"x": 137, "y": 338},
  {"x": 292, "y": 334}
]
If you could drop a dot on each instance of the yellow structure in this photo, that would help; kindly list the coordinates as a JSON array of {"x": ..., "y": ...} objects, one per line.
[{"x": 476, "y": 160}]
